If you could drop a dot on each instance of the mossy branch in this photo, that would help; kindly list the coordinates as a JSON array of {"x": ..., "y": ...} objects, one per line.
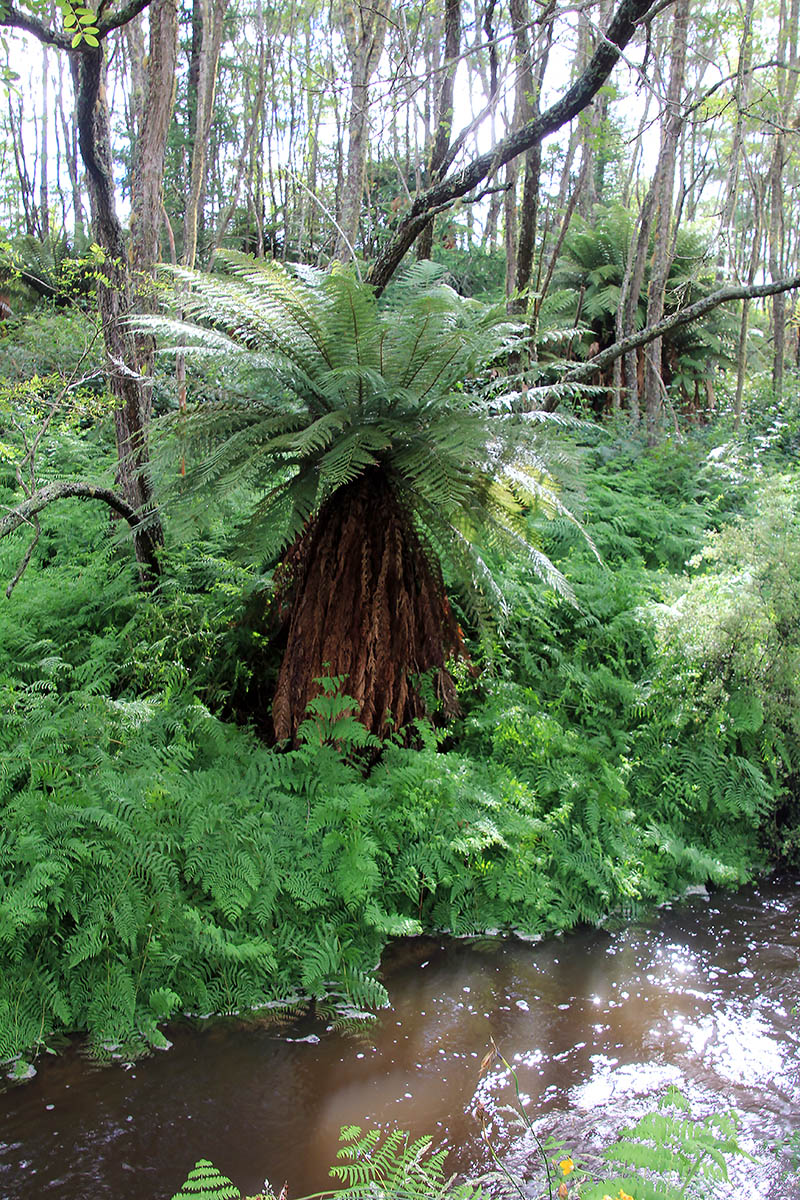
[{"x": 27, "y": 512}]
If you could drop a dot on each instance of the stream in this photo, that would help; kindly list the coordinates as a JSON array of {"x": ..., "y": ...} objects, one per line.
[{"x": 596, "y": 1024}]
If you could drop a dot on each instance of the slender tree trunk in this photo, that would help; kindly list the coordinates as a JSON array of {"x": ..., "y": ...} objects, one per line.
[
  {"x": 590, "y": 123},
  {"x": 664, "y": 186},
  {"x": 365, "y": 30},
  {"x": 245, "y": 154},
  {"x": 741, "y": 93},
  {"x": 156, "y": 113},
  {"x": 529, "y": 87},
  {"x": 629, "y": 299},
  {"x": 69, "y": 133},
  {"x": 44, "y": 184},
  {"x": 787, "y": 87},
  {"x": 443, "y": 110},
  {"x": 207, "y": 18},
  {"x": 131, "y": 415}
]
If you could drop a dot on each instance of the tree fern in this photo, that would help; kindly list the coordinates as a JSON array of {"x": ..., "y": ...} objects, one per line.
[{"x": 356, "y": 420}]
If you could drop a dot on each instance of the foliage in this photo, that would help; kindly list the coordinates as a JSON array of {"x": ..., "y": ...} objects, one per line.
[
  {"x": 393, "y": 1165},
  {"x": 364, "y": 452},
  {"x": 51, "y": 268},
  {"x": 332, "y": 385},
  {"x": 204, "y": 1182},
  {"x": 670, "y": 1150},
  {"x": 593, "y": 715},
  {"x": 155, "y": 859},
  {"x": 734, "y": 632},
  {"x": 80, "y": 22},
  {"x": 592, "y": 268}
]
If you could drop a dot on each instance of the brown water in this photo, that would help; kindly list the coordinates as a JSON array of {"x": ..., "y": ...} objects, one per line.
[{"x": 596, "y": 1024}]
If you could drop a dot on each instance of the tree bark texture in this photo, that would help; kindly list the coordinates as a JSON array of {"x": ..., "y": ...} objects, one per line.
[
  {"x": 787, "y": 86},
  {"x": 24, "y": 513},
  {"x": 664, "y": 185},
  {"x": 368, "y": 603},
  {"x": 158, "y": 98},
  {"x": 128, "y": 385},
  {"x": 443, "y": 110},
  {"x": 529, "y": 86},
  {"x": 207, "y": 21}
]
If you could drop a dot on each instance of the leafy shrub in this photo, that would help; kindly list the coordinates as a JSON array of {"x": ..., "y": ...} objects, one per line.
[
  {"x": 671, "y": 1151},
  {"x": 731, "y": 639}
]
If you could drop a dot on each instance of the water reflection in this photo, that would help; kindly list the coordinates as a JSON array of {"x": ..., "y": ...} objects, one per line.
[{"x": 595, "y": 1024}]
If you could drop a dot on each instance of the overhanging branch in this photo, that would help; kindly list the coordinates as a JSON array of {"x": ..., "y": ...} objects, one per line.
[
  {"x": 574, "y": 100},
  {"x": 14, "y": 18},
  {"x": 685, "y": 316},
  {"x": 24, "y": 513}
]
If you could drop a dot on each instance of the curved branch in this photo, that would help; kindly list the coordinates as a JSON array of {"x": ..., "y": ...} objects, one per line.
[
  {"x": 26, "y": 23},
  {"x": 574, "y": 100},
  {"x": 24, "y": 513},
  {"x": 684, "y": 316},
  {"x": 117, "y": 20},
  {"x": 14, "y": 18}
]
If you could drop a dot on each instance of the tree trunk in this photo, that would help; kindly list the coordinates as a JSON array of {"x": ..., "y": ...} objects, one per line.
[
  {"x": 70, "y": 136},
  {"x": 128, "y": 386},
  {"x": 787, "y": 86},
  {"x": 158, "y": 98},
  {"x": 664, "y": 185},
  {"x": 572, "y": 102},
  {"x": 207, "y": 18},
  {"x": 367, "y": 603},
  {"x": 443, "y": 110},
  {"x": 364, "y": 29},
  {"x": 529, "y": 87},
  {"x": 44, "y": 186},
  {"x": 741, "y": 92}
]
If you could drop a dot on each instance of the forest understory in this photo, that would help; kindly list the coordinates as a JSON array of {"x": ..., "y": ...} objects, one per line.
[{"x": 159, "y": 858}]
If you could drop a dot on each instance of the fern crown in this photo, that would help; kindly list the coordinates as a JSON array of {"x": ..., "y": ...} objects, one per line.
[{"x": 331, "y": 383}]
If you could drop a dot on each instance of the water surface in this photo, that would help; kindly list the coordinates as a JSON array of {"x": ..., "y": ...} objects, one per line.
[{"x": 596, "y": 1024}]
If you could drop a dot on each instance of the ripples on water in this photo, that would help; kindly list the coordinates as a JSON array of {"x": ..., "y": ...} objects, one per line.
[{"x": 596, "y": 1024}]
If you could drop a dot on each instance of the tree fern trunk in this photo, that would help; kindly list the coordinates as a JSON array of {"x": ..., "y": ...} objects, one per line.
[{"x": 367, "y": 603}]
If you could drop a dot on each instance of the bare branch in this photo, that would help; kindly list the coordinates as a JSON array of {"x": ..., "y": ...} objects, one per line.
[
  {"x": 684, "y": 317},
  {"x": 25, "y": 513},
  {"x": 117, "y": 20},
  {"x": 26, "y": 558},
  {"x": 574, "y": 100}
]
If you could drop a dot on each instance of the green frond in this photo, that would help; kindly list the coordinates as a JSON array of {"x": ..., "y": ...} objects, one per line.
[
  {"x": 204, "y": 1182},
  {"x": 332, "y": 383}
]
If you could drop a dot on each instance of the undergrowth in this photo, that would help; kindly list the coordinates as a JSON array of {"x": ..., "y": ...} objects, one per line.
[{"x": 156, "y": 857}]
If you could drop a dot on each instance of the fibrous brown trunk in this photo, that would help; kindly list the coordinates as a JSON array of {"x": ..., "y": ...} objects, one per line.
[{"x": 366, "y": 603}]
